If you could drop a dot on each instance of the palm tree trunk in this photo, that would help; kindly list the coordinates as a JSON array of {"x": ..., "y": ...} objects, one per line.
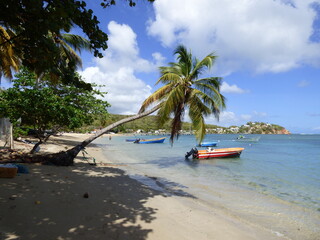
[{"x": 66, "y": 158}]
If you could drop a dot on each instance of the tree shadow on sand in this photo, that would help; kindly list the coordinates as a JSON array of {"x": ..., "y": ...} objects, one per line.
[{"x": 59, "y": 205}]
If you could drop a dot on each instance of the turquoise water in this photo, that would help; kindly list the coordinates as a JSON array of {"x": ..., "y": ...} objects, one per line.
[{"x": 277, "y": 176}]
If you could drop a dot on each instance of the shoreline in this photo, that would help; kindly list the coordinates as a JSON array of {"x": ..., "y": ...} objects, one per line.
[{"x": 50, "y": 203}]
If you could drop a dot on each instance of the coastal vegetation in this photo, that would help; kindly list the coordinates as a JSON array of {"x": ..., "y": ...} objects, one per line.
[
  {"x": 150, "y": 125},
  {"x": 32, "y": 32},
  {"x": 33, "y": 36},
  {"x": 182, "y": 89},
  {"x": 47, "y": 108}
]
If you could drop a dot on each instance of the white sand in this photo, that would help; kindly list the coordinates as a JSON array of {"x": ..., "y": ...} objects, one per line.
[{"x": 49, "y": 203}]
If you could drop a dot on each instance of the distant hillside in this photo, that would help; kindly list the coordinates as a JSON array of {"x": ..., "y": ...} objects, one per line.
[{"x": 150, "y": 124}]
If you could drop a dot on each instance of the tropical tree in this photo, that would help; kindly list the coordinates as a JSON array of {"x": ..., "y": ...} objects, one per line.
[
  {"x": 65, "y": 61},
  {"x": 183, "y": 89},
  {"x": 30, "y": 21},
  {"x": 43, "y": 106}
]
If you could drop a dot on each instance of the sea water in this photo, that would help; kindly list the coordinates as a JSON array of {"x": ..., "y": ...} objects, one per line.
[{"x": 274, "y": 184}]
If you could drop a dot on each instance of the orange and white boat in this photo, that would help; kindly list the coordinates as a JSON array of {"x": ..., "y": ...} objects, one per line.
[{"x": 214, "y": 153}]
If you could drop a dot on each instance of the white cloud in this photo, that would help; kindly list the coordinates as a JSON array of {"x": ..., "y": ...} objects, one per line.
[
  {"x": 261, "y": 35},
  {"x": 228, "y": 118},
  {"x": 117, "y": 71},
  {"x": 303, "y": 83},
  {"x": 226, "y": 88}
]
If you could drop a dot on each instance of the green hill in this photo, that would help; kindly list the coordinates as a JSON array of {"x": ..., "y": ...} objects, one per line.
[{"x": 149, "y": 124}]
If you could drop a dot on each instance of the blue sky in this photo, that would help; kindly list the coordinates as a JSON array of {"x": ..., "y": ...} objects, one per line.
[{"x": 268, "y": 55}]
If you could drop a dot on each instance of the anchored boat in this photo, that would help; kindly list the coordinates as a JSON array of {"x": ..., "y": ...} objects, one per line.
[
  {"x": 131, "y": 139},
  {"x": 145, "y": 141},
  {"x": 208, "y": 144},
  {"x": 214, "y": 153}
]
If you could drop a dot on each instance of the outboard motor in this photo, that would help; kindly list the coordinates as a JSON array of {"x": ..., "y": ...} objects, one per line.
[{"x": 192, "y": 152}]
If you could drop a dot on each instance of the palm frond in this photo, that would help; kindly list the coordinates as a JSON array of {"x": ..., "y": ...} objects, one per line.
[
  {"x": 168, "y": 77},
  {"x": 8, "y": 59},
  {"x": 215, "y": 81},
  {"x": 173, "y": 99},
  {"x": 196, "y": 111},
  {"x": 213, "y": 93},
  {"x": 157, "y": 96},
  {"x": 67, "y": 52},
  {"x": 77, "y": 42},
  {"x": 184, "y": 59},
  {"x": 203, "y": 65}
]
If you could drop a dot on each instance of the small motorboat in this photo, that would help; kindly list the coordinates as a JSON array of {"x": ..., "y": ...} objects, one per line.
[
  {"x": 242, "y": 138},
  {"x": 146, "y": 141},
  {"x": 131, "y": 139},
  {"x": 214, "y": 153},
  {"x": 208, "y": 144}
]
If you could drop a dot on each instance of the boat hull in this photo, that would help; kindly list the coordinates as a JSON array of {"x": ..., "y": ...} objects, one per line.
[
  {"x": 218, "y": 153},
  {"x": 147, "y": 141},
  {"x": 208, "y": 144}
]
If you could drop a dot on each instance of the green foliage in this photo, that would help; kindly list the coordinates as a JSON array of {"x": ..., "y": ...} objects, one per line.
[
  {"x": 184, "y": 89},
  {"x": 18, "y": 131},
  {"x": 34, "y": 30},
  {"x": 277, "y": 127},
  {"x": 147, "y": 123},
  {"x": 46, "y": 106}
]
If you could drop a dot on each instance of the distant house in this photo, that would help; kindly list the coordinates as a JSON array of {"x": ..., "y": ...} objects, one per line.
[{"x": 234, "y": 129}]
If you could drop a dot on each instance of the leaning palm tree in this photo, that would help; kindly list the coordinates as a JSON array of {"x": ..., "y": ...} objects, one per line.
[{"x": 183, "y": 89}]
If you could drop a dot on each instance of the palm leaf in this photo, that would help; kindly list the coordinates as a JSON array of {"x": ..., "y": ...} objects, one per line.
[
  {"x": 76, "y": 42},
  {"x": 196, "y": 112},
  {"x": 8, "y": 59},
  {"x": 157, "y": 96}
]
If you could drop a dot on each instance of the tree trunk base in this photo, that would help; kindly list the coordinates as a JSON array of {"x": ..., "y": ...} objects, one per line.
[{"x": 64, "y": 158}]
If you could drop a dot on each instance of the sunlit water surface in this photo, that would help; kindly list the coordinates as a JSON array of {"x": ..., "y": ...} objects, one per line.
[{"x": 275, "y": 183}]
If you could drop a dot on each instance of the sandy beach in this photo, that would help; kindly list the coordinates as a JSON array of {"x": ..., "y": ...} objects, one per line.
[{"x": 102, "y": 202}]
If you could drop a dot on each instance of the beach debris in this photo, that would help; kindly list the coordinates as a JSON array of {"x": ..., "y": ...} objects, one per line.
[
  {"x": 37, "y": 202},
  {"x": 86, "y": 195}
]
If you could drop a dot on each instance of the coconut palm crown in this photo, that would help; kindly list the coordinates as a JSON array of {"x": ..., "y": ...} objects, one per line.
[
  {"x": 184, "y": 89},
  {"x": 61, "y": 54}
]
